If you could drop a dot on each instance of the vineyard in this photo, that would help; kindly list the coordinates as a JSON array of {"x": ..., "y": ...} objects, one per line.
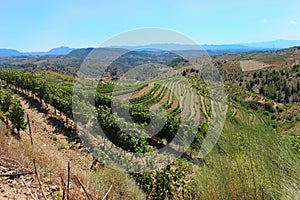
[
  {"x": 172, "y": 94},
  {"x": 169, "y": 94},
  {"x": 11, "y": 110},
  {"x": 184, "y": 100}
]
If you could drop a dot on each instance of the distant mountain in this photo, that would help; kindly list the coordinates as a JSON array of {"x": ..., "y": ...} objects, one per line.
[
  {"x": 185, "y": 50},
  {"x": 60, "y": 51},
  {"x": 220, "y": 49},
  {"x": 238, "y": 47},
  {"x": 276, "y": 44},
  {"x": 192, "y": 50},
  {"x": 80, "y": 53},
  {"x": 55, "y": 51},
  {"x": 211, "y": 49},
  {"x": 9, "y": 52},
  {"x": 161, "y": 47}
]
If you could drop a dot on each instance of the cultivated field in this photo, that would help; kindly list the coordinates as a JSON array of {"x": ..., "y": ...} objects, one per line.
[{"x": 252, "y": 65}]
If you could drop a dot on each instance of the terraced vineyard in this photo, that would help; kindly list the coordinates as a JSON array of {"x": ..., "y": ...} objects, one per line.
[{"x": 176, "y": 95}]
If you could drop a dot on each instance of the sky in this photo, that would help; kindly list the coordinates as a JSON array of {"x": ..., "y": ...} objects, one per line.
[{"x": 35, "y": 25}]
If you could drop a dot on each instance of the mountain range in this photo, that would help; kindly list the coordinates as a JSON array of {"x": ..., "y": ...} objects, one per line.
[
  {"x": 55, "y": 51},
  {"x": 223, "y": 48},
  {"x": 212, "y": 49}
]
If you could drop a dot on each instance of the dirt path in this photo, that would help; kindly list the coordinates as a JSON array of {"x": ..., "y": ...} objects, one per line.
[
  {"x": 164, "y": 99},
  {"x": 193, "y": 105},
  {"x": 185, "y": 102},
  {"x": 234, "y": 112},
  {"x": 52, "y": 140},
  {"x": 213, "y": 111},
  {"x": 124, "y": 96},
  {"x": 196, "y": 108},
  {"x": 204, "y": 107},
  {"x": 49, "y": 134},
  {"x": 171, "y": 92},
  {"x": 142, "y": 92}
]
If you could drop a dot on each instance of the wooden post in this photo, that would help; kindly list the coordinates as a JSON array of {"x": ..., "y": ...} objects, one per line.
[
  {"x": 64, "y": 187},
  {"x": 68, "y": 182},
  {"x": 29, "y": 127}
]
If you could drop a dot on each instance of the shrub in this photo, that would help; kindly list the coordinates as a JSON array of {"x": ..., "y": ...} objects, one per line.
[{"x": 16, "y": 115}]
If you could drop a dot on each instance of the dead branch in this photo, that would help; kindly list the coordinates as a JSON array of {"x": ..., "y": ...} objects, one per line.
[
  {"x": 107, "y": 193},
  {"x": 85, "y": 191},
  {"x": 38, "y": 178},
  {"x": 35, "y": 198}
]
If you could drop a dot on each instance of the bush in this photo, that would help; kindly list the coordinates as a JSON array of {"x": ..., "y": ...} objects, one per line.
[
  {"x": 279, "y": 109},
  {"x": 16, "y": 115},
  {"x": 254, "y": 105},
  {"x": 269, "y": 107},
  {"x": 166, "y": 183},
  {"x": 289, "y": 117}
]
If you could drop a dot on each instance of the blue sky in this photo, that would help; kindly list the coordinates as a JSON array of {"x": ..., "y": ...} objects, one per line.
[{"x": 35, "y": 25}]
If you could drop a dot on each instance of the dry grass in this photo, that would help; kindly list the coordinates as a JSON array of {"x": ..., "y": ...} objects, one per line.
[
  {"x": 54, "y": 170},
  {"x": 252, "y": 65}
]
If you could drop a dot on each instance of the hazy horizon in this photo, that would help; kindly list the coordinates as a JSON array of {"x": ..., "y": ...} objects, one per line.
[
  {"x": 74, "y": 47},
  {"x": 39, "y": 26}
]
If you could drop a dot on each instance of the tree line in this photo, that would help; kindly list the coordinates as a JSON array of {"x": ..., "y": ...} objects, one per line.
[{"x": 282, "y": 86}]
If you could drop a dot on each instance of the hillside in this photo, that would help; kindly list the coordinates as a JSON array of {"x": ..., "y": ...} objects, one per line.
[
  {"x": 54, "y": 146},
  {"x": 255, "y": 157}
]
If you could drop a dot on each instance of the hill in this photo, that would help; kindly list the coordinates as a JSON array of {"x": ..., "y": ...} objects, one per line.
[
  {"x": 9, "y": 52},
  {"x": 255, "y": 157},
  {"x": 251, "y": 159},
  {"x": 59, "y": 51}
]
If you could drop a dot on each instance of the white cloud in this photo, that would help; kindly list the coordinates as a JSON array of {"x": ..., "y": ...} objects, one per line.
[{"x": 293, "y": 22}]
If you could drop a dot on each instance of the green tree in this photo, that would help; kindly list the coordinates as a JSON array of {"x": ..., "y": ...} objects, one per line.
[
  {"x": 6, "y": 101},
  {"x": 16, "y": 115}
]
